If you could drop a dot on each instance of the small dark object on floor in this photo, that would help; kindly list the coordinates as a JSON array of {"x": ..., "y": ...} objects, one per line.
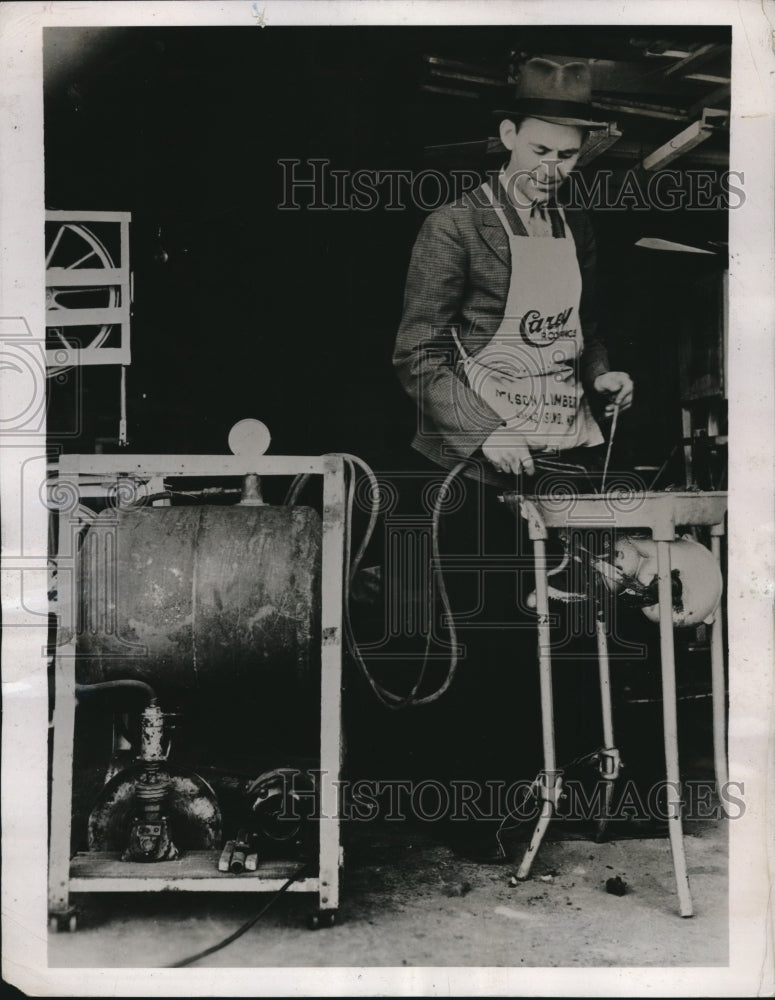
[
  {"x": 616, "y": 886},
  {"x": 456, "y": 888}
]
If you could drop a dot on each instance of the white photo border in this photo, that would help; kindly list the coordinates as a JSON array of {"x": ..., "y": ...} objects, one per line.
[{"x": 751, "y": 581}]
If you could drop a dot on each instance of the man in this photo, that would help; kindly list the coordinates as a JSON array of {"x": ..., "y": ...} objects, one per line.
[
  {"x": 498, "y": 347},
  {"x": 498, "y": 343}
]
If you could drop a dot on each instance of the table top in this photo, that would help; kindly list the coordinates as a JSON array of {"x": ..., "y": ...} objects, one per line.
[{"x": 659, "y": 511}]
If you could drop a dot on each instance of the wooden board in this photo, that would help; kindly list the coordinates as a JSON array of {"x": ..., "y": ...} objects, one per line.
[{"x": 196, "y": 871}]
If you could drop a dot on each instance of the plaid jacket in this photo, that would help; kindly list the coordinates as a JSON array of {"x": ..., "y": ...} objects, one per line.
[{"x": 458, "y": 278}]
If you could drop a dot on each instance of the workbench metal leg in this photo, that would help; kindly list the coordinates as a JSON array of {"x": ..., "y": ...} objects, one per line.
[
  {"x": 550, "y": 788},
  {"x": 717, "y": 679},
  {"x": 605, "y": 682},
  {"x": 544, "y": 654},
  {"x": 609, "y": 758},
  {"x": 670, "y": 718},
  {"x": 551, "y": 780}
]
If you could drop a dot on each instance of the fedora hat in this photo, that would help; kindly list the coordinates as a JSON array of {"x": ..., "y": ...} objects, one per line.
[{"x": 555, "y": 93}]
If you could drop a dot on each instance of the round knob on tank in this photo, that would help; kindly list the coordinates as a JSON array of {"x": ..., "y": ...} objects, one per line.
[{"x": 249, "y": 437}]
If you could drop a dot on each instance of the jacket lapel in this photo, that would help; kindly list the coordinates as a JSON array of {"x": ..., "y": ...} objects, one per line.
[
  {"x": 493, "y": 233},
  {"x": 490, "y": 226}
]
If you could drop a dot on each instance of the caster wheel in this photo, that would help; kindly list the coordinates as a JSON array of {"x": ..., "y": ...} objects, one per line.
[
  {"x": 323, "y": 918},
  {"x": 63, "y": 921}
]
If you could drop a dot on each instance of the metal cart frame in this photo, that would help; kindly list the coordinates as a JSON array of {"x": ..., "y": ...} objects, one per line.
[{"x": 196, "y": 871}]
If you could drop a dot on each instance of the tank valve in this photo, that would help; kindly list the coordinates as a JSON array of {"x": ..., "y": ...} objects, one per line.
[
  {"x": 251, "y": 491},
  {"x": 150, "y": 838}
]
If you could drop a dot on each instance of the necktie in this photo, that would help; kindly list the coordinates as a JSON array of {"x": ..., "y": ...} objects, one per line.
[
  {"x": 540, "y": 224},
  {"x": 545, "y": 219}
]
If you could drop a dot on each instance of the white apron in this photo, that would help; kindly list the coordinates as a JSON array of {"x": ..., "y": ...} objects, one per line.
[{"x": 527, "y": 373}]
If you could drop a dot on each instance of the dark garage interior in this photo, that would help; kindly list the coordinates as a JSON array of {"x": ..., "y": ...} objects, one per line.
[{"x": 251, "y": 300}]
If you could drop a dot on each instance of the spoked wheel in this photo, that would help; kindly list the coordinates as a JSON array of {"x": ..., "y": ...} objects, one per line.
[{"x": 72, "y": 246}]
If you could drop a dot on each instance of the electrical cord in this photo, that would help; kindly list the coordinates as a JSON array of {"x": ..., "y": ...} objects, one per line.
[
  {"x": 531, "y": 790},
  {"x": 245, "y": 927},
  {"x": 390, "y": 699},
  {"x": 387, "y": 697},
  {"x": 295, "y": 489}
]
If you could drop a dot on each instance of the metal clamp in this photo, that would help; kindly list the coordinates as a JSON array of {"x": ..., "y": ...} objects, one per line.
[
  {"x": 550, "y": 786},
  {"x": 609, "y": 763}
]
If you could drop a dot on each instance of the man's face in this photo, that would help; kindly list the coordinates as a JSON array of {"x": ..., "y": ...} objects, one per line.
[{"x": 542, "y": 156}]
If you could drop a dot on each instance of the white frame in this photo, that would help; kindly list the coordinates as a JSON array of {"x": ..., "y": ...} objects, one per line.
[
  {"x": 120, "y": 316},
  {"x": 75, "y": 472}
]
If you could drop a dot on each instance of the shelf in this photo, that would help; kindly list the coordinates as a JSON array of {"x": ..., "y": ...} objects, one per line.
[{"x": 196, "y": 871}]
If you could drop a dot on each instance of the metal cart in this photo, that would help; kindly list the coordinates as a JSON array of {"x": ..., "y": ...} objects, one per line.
[{"x": 196, "y": 871}]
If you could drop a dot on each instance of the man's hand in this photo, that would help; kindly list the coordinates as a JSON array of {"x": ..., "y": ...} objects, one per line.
[
  {"x": 617, "y": 386},
  {"x": 508, "y": 452}
]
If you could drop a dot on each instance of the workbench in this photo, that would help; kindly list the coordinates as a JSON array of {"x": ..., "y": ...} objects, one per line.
[{"x": 661, "y": 513}]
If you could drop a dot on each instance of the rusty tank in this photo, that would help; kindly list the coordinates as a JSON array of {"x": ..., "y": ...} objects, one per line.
[{"x": 202, "y": 600}]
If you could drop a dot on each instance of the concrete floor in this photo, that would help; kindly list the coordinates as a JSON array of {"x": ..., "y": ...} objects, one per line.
[{"x": 408, "y": 900}]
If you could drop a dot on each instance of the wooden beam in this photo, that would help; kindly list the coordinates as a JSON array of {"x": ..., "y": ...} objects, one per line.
[
  {"x": 667, "y": 54},
  {"x": 685, "y": 141},
  {"x": 598, "y": 142},
  {"x": 706, "y": 78},
  {"x": 449, "y": 91},
  {"x": 454, "y": 74},
  {"x": 450, "y": 67},
  {"x": 701, "y": 55},
  {"x": 632, "y": 150},
  {"x": 644, "y": 110},
  {"x": 714, "y": 97}
]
